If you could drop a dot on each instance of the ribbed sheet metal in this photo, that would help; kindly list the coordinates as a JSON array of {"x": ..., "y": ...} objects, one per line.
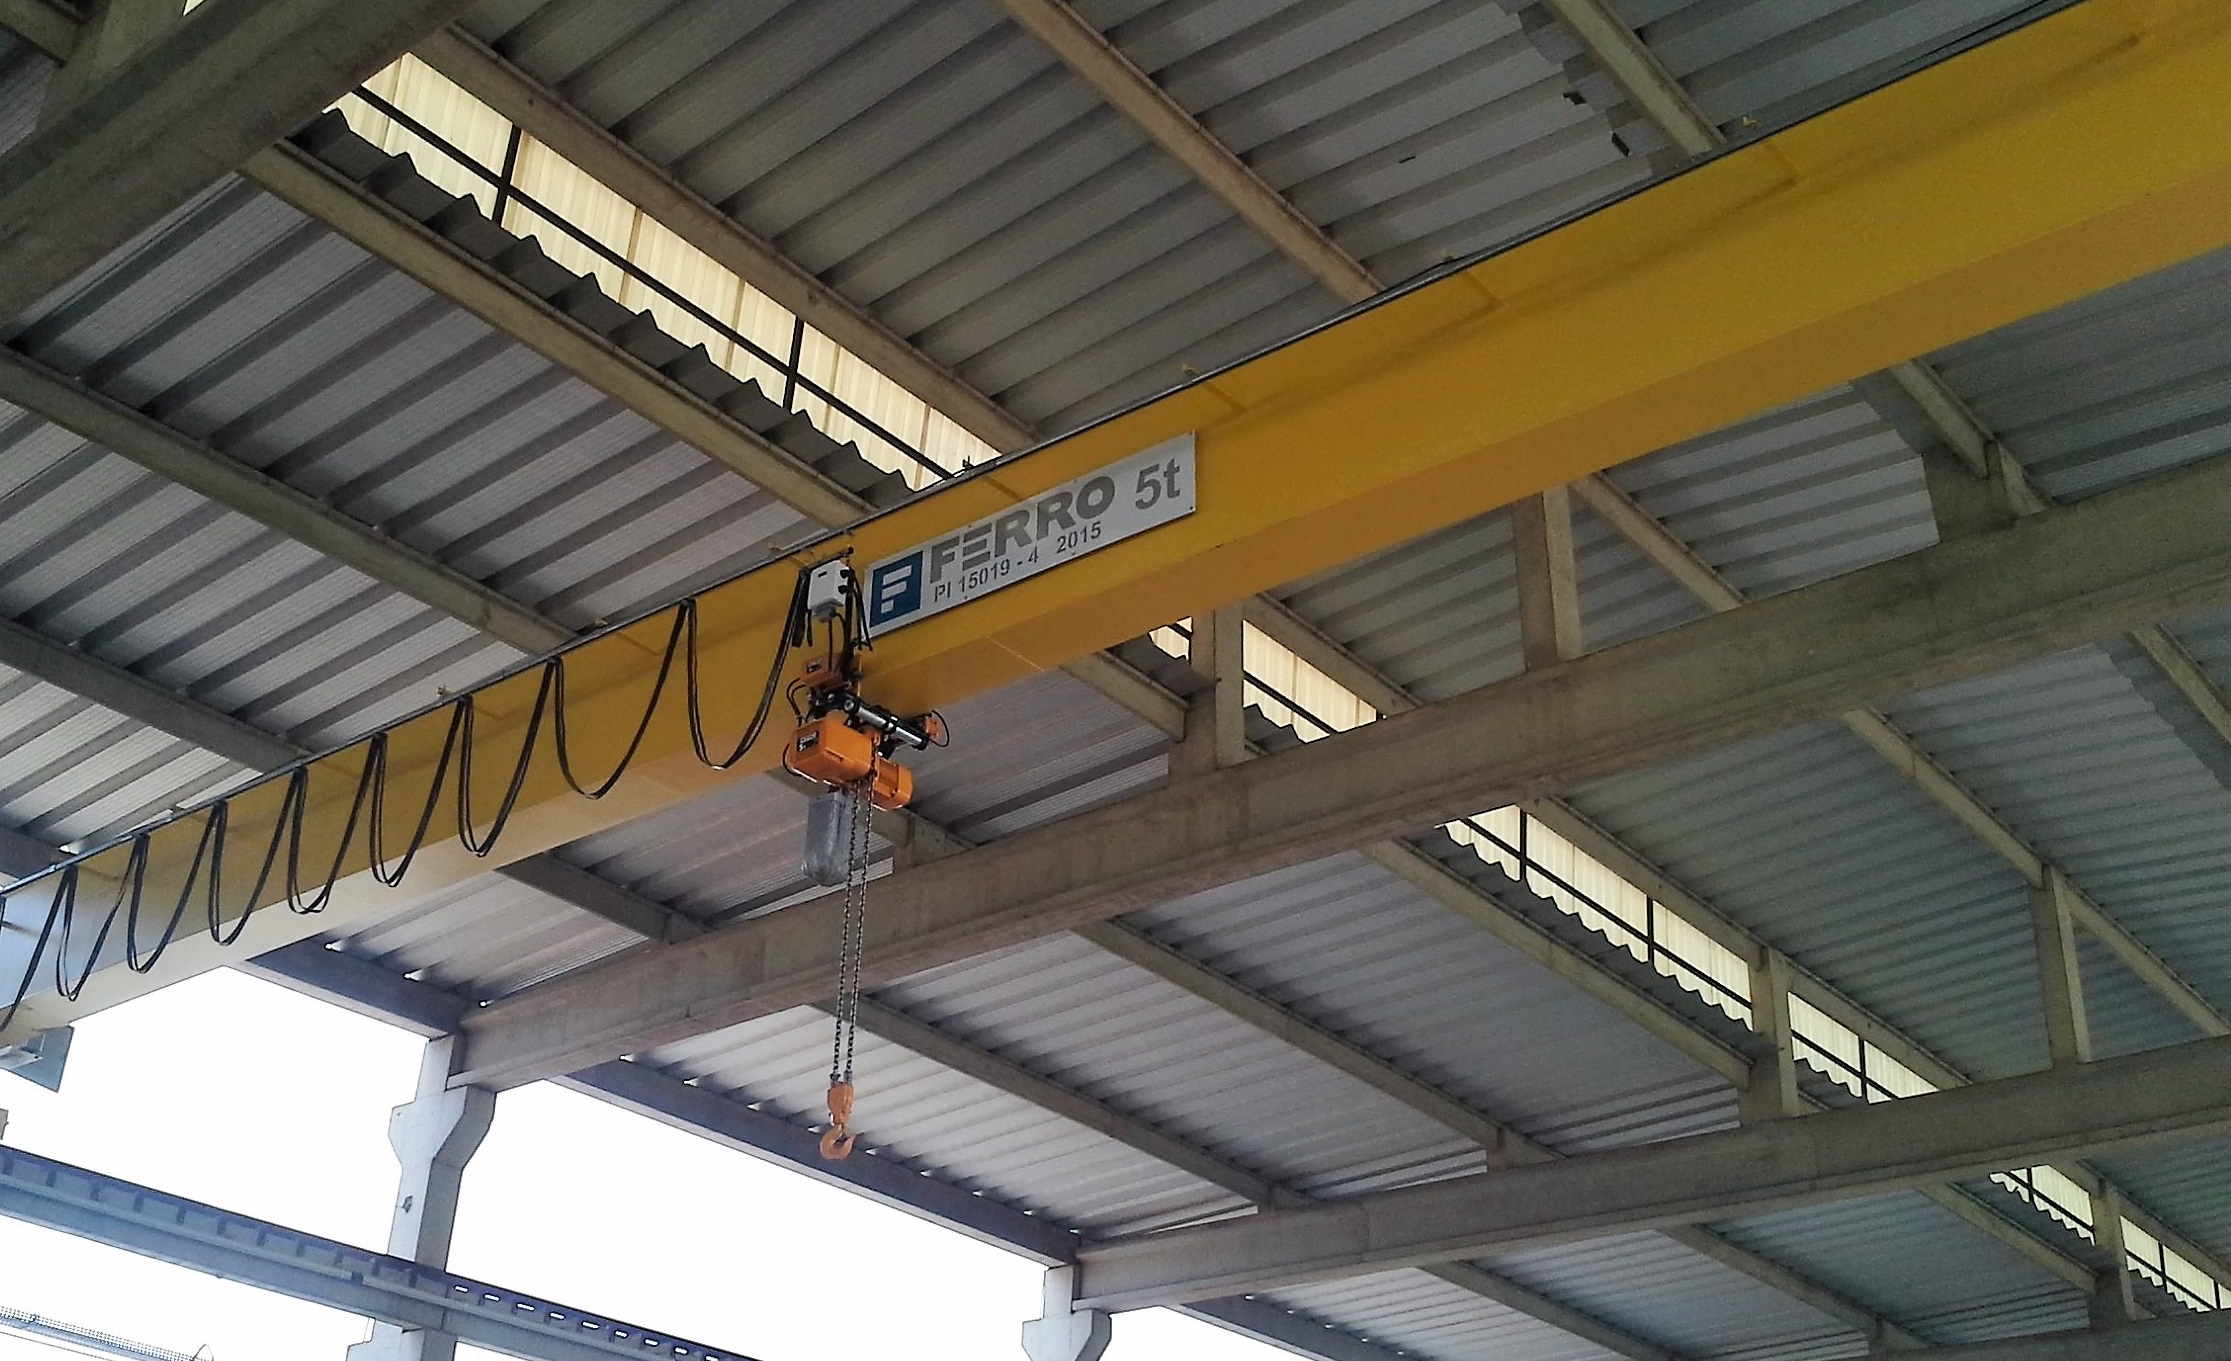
[
  {"x": 1917, "y": 1262},
  {"x": 1806, "y": 492},
  {"x": 1357, "y": 950},
  {"x": 952, "y": 1126},
  {"x": 241, "y": 324},
  {"x": 2181, "y": 1184},
  {"x": 69, "y": 768},
  {"x": 1064, "y": 1008},
  {"x": 1438, "y": 615},
  {"x": 736, "y": 848},
  {"x": 1678, "y": 1298},
  {"x": 2074, "y": 757},
  {"x": 24, "y": 70},
  {"x": 1756, "y": 66},
  {"x": 1809, "y": 839},
  {"x": 1425, "y": 1316},
  {"x": 2128, "y": 382},
  {"x": 1033, "y": 752},
  {"x": 932, "y": 162},
  {"x": 485, "y": 938}
]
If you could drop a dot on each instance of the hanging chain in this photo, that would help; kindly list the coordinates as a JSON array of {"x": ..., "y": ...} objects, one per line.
[
  {"x": 855, "y": 929},
  {"x": 836, "y": 1142}
]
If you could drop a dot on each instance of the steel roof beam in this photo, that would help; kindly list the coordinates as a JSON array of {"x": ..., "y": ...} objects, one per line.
[
  {"x": 354, "y": 1280},
  {"x": 1955, "y": 610},
  {"x": 544, "y": 114},
  {"x": 184, "y": 111},
  {"x": 2164, "y": 1094},
  {"x": 1628, "y": 60},
  {"x": 1166, "y": 123},
  {"x": 235, "y": 485}
]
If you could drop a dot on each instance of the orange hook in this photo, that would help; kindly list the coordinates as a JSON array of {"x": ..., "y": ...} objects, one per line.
[{"x": 836, "y": 1141}]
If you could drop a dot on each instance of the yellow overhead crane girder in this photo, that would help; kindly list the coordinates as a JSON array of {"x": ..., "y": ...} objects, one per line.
[{"x": 2070, "y": 155}]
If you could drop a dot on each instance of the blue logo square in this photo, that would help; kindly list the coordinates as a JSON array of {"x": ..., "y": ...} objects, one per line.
[{"x": 896, "y": 590}]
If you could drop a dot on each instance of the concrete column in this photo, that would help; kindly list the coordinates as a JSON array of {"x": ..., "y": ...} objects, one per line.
[
  {"x": 1216, "y": 721},
  {"x": 2060, "y": 975},
  {"x": 2112, "y": 1303},
  {"x": 1548, "y": 580},
  {"x": 1772, "y": 1092},
  {"x": 434, "y": 1135},
  {"x": 114, "y": 32},
  {"x": 1963, "y": 503},
  {"x": 1063, "y": 1332}
]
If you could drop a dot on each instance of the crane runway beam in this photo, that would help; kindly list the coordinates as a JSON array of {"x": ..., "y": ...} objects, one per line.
[{"x": 386, "y": 1289}]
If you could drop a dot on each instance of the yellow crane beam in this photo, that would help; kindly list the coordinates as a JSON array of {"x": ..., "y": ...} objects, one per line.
[{"x": 2067, "y": 156}]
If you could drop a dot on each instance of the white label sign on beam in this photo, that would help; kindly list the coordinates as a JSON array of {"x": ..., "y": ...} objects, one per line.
[{"x": 1058, "y": 525}]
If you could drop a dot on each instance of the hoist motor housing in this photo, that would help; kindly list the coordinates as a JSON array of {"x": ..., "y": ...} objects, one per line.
[{"x": 833, "y": 752}]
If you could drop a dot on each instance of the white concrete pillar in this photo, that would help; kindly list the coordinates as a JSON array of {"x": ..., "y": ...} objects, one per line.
[
  {"x": 1064, "y": 1332},
  {"x": 434, "y": 1135}
]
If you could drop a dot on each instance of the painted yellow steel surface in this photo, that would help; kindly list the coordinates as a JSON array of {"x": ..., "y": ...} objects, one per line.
[{"x": 2070, "y": 155}]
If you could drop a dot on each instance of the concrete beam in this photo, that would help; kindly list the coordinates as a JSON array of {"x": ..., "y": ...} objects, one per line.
[
  {"x": 113, "y": 32},
  {"x": 2161, "y": 1095},
  {"x": 48, "y": 25},
  {"x": 1166, "y": 123},
  {"x": 209, "y": 472},
  {"x": 1956, "y": 610},
  {"x": 181, "y": 113}
]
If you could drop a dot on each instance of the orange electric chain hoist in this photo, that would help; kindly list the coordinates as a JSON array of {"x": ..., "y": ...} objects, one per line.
[
  {"x": 844, "y": 741},
  {"x": 848, "y": 745}
]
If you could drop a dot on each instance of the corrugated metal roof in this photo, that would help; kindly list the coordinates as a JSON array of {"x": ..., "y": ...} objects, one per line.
[
  {"x": 2180, "y": 1184},
  {"x": 2128, "y": 382},
  {"x": 1918, "y": 1263},
  {"x": 1809, "y": 839},
  {"x": 1678, "y": 1298},
  {"x": 23, "y": 77},
  {"x": 930, "y": 161},
  {"x": 1350, "y": 946},
  {"x": 69, "y": 767},
  {"x": 239, "y": 323},
  {"x": 486, "y": 937},
  {"x": 1438, "y": 615},
  {"x": 2071, "y": 755},
  {"x": 1425, "y": 1316},
  {"x": 1071, "y": 1011},
  {"x": 1814, "y": 489},
  {"x": 1758, "y": 64},
  {"x": 952, "y": 1126}
]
